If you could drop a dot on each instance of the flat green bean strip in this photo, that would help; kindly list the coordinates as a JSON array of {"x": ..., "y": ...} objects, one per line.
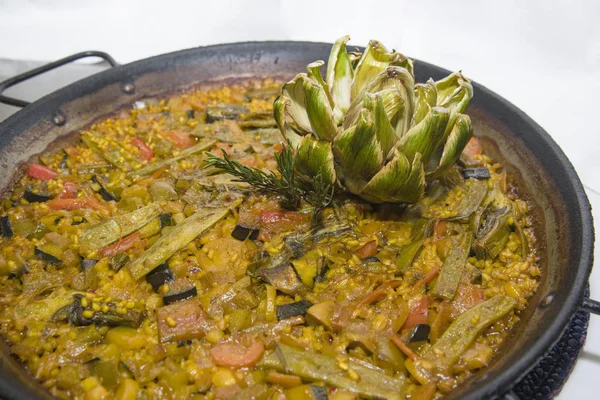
[
  {"x": 107, "y": 232},
  {"x": 453, "y": 268},
  {"x": 459, "y": 336},
  {"x": 177, "y": 238},
  {"x": 155, "y": 166},
  {"x": 318, "y": 367}
]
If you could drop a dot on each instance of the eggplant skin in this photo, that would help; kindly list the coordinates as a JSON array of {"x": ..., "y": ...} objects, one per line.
[
  {"x": 291, "y": 310},
  {"x": 476, "y": 173},
  {"x": 242, "y": 233},
  {"x": 49, "y": 258},
  {"x": 159, "y": 276},
  {"x": 186, "y": 294},
  {"x": 35, "y": 197},
  {"x": 5, "y": 227}
]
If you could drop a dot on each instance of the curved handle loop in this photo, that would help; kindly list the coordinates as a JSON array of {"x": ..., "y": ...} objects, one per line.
[{"x": 45, "y": 68}]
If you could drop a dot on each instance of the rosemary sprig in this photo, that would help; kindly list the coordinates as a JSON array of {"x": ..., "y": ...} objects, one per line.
[{"x": 286, "y": 183}]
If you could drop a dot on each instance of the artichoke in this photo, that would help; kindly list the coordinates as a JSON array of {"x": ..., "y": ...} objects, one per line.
[{"x": 369, "y": 127}]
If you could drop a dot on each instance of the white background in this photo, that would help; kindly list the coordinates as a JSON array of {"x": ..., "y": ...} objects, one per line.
[{"x": 544, "y": 56}]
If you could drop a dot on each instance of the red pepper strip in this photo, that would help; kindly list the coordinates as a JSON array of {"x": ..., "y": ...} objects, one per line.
[
  {"x": 74, "y": 204},
  {"x": 404, "y": 348},
  {"x": 428, "y": 277},
  {"x": 69, "y": 191},
  {"x": 41, "y": 172},
  {"x": 122, "y": 245},
  {"x": 145, "y": 152}
]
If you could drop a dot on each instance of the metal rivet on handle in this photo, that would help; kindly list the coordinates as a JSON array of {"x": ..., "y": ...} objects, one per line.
[
  {"x": 59, "y": 119},
  {"x": 128, "y": 88},
  {"x": 546, "y": 301}
]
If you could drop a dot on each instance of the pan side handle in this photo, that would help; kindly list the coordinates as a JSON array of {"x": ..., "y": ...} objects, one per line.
[
  {"x": 591, "y": 306},
  {"x": 45, "y": 68}
]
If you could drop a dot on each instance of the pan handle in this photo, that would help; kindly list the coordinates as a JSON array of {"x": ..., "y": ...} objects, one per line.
[
  {"x": 45, "y": 68},
  {"x": 591, "y": 306}
]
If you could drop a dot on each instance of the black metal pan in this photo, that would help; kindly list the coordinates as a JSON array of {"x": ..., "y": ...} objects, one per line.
[{"x": 545, "y": 176}]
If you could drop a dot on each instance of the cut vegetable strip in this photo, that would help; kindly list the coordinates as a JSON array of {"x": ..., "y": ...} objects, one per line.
[
  {"x": 453, "y": 268},
  {"x": 177, "y": 238},
  {"x": 458, "y": 337},
  {"x": 107, "y": 232},
  {"x": 155, "y": 166},
  {"x": 318, "y": 367}
]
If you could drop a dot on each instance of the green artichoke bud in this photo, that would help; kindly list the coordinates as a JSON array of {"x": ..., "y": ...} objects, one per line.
[{"x": 369, "y": 127}]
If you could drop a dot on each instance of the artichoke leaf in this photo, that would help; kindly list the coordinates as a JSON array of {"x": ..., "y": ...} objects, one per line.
[
  {"x": 459, "y": 136},
  {"x": 357, "y": 153},
  {"x": 279, "y": 112},
  {"x": 454, "y": 93},
  {"x": 425, "y": 98},
  {"x": 319, "y": 111},
  {"x": 315, "y": 157},
  {"x": 375, "y": 59},
  {"x": 314, "y": 73},
  {"x": 339, "y": 78},
  {"x": 397, "y": 78},
  {"x": 296, "y": 108},
  {"x": 493, "y": 234},
  {"x": 426, "y": 136},
  {"x": 398, "y": 181},
  {"x": 383, "y": 128}
]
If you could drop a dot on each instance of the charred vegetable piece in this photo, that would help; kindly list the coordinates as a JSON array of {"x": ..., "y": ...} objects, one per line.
[
  {"x": 159, "y": 276},
  {"x": 107, "y": 232},
  {"x": 63, "y": 161},
  {"x": 372, "y": 383},
  {"x": 166, "y": 219},
  {"x": 474, "y": 196},
  {"x": 459, "y": 336},
  {"x": 79, "y": 315},
  {"x": 493, "y": 234},
  {"x": 155, "y": 166},
  {"x": 184, "y": 320},
  {"x": 476, "y": 173},
  {"x": 183, "y": 294},
  {"x": 370, "y": 260},
  {"x": 118, "y": 261},
  {"x": 106, "y": 195},
  {"x": 319, "y": 392},
  {"x": 49, "y": 258},
  {"x": 82, "y": 221},
  {"x": 292, "y": 309},
  {"x": 284, "y": 278},
  {"x": 242, "y": 233},
  {"x": 257, "y": 124},
  {"x": 85, "y": 264},
  {"x": 223, "y": 112},
  {"x": 419, "y": 333},
  {"x": 191, "y": 113},
  {"x": 5, "y": 227},
  {"x": 177, "y": 238},
  {"x": 453, "y": 268},
  {"x": 323, "y": 265},
  {"x": 35, "y": 197}
]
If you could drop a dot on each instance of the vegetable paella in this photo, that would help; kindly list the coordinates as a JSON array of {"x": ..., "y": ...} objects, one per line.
[{"x": 332, "y": 238}]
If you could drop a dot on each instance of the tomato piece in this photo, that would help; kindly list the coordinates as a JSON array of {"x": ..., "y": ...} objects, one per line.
[
  {"x": 368, "y": 249},
  {"x": 191, "y": 322},
  {"x": 418, "y": 313},
  {"x": 274, "y": 222},
  {"x": 467, "y": 296},
  {"x": 41, "y": 172},
  {"x": 473, "y": 148},
  {"x": 69, "y": 191},
  {"x": 180, "y": 139},
  {"x": 238, "y": 354},
  {"x": 145, "y": 152},
  {"x": 74, "y": 204},
  {"x": 120, "y": 246}
]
